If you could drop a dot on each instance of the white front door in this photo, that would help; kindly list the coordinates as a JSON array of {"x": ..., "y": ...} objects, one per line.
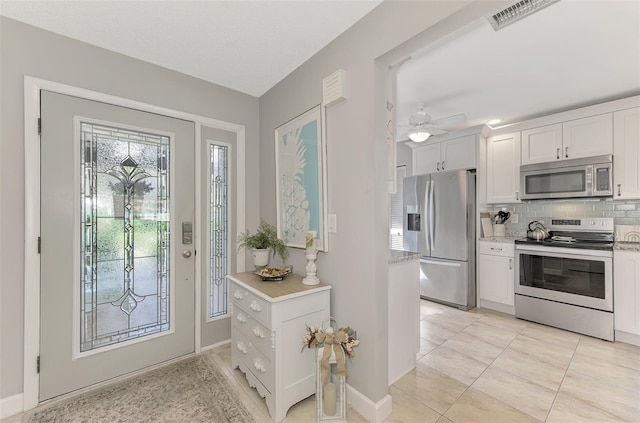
[{"x": 117, "y": 204}]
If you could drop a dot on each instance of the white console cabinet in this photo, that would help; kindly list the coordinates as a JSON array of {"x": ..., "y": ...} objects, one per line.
[
  {"x": 268, "y": 322},
  {"x": 496, "y": 275}
]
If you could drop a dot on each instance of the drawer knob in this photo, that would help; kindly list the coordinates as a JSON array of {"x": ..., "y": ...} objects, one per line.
[
  {"x": 241, "y": 318},
  {"x": 257, "y": 332},
  {"x": 238, "y": 295},
  {"x": 259, "y": 365},
  {"x": 241, "y": 347},
  {"x": 255, "y": 306}
]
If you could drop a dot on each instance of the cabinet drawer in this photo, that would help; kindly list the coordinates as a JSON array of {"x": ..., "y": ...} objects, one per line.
[
  {"x": 253, "y": 330},
  {"x": 257, "y": 363},
  {"x": 255, "y": 306},
  {"x": 497, "y": 248}
]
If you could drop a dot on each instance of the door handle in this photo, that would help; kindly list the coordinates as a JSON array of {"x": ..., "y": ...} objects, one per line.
[
  {"x": 442, "y": 166},
  {"x": 438, "y": 166},
  {"x": 510, "y": 264},
  {"x": 558, "y": 153},
  {"x": 186, "y": 253},
  {"x": 566, "y": 152},
  {"x": 619, "y": 194}
]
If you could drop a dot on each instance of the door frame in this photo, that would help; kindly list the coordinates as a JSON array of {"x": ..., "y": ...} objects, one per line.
[{"x": 32, "y": 88}]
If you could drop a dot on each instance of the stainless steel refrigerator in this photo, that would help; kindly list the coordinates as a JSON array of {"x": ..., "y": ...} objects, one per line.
[{"x": 439, "y": 223}]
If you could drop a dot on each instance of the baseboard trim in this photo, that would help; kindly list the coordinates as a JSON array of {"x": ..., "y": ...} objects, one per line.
[
  {"x": 374, "y": 412},
  {"x": 628, "y": 338},
  {"x": 216, "y": 345},
  {"x": 10, "y": 406}
]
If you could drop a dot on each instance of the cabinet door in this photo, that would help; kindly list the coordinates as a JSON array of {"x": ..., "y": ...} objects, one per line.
[
  {"x": 626, "y": 295},
  {"x": 626, "y": 154},
  {"x": 459, "y": 153},
  {"x": 496, "y": 279},
  {"x": 542, "y": 144},
  {"x": 592, "y": 136},
  {"x": 503, "y": 168},
  {"x": 426, "y": 159}
]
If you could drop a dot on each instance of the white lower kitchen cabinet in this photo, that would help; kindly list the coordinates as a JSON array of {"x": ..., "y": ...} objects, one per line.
[
  {"x": 496, "y": 276},
  {"x": 268, "y": 322},
  {"x": 626, "y": 296}
]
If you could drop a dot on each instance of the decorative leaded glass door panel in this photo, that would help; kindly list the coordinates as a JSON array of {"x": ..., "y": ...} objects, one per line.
[{"x": 116, "y": 292}]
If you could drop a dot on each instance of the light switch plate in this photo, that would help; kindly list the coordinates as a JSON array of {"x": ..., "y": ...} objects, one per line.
[{"x": 332, "y": 224}]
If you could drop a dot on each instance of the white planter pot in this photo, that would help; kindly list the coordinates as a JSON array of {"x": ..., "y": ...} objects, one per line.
[{"x": 261, "y": 257}]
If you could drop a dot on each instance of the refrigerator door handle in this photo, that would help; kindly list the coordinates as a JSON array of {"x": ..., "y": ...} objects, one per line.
[
  {"x": 432, "y": 215},
  {"x": 427, "y": 229}
]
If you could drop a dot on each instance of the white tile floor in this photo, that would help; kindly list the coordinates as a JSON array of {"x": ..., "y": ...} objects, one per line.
[{"x": 483, "y": 366}]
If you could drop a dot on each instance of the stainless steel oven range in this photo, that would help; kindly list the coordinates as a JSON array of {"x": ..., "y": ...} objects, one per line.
[{"x": 566, "y": 280}]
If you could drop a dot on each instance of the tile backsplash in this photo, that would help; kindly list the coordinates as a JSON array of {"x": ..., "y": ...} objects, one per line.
[{"x": 623, "y": 212}]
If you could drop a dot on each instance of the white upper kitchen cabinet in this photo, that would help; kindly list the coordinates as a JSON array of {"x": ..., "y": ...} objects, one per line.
[
  {"x": 573, "y": 139},
  {"x": 503, "y": 168},
  {"x": 426, "y": 159},
  {"x": 542, "y": 144},
  {"x": 626, "y": 154},
  {"x": 453, "y": 154},
  {"x": 591, "y": 136},
  {"x": 626, "y": 295}
]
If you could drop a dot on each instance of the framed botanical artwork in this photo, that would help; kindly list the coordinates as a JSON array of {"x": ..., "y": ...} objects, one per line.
[{"x": 301, "y": 196}]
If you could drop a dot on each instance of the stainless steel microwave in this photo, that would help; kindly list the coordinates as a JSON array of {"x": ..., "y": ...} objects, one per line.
[{"x": 574, "y": 178}]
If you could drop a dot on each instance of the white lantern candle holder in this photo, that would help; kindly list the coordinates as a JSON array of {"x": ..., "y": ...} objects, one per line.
[{"x": 331, "y": 397}]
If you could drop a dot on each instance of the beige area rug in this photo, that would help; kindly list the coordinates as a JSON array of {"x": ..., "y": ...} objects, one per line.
[{"x": 190, "y": 391}]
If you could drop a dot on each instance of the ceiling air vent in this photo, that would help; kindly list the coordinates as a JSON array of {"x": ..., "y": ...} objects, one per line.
[{"x": 516, "y": 11}]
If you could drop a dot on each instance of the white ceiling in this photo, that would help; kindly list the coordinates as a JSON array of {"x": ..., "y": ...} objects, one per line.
[
  {"x": 248, "y": 46},
  {"x": 571, "y": 54}
]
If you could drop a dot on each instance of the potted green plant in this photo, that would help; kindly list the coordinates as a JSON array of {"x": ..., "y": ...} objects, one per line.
[{"x": 262, "y": 243}]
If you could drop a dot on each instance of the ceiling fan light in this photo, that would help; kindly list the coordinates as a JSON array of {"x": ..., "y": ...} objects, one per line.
[{"x": 419, "y": 136}]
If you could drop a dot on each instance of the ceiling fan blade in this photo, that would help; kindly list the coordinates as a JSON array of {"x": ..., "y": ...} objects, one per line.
[{"x": 449, "y": 121}]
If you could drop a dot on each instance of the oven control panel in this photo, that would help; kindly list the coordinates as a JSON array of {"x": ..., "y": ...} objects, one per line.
[{"x": 597, "y": 224}]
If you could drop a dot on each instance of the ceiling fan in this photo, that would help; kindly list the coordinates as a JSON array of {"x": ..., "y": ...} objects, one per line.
[{"x": 421, "y": 126}]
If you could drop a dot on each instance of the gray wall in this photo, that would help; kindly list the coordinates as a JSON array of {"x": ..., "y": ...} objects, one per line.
[
  {"x": 357, "y": 262},
  {"x": 26, "y": 50}
]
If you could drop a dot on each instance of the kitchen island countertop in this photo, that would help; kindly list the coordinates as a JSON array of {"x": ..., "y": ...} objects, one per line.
[{"x": 397, "y": 256}]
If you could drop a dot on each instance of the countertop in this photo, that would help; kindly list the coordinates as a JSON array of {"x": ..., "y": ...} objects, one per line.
[
  {"x": 507, "y": 239},
  {"x": 626, "y": 246},
  {"x": 290, "y": 287},
  {"x": 397, "y": 256}
]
